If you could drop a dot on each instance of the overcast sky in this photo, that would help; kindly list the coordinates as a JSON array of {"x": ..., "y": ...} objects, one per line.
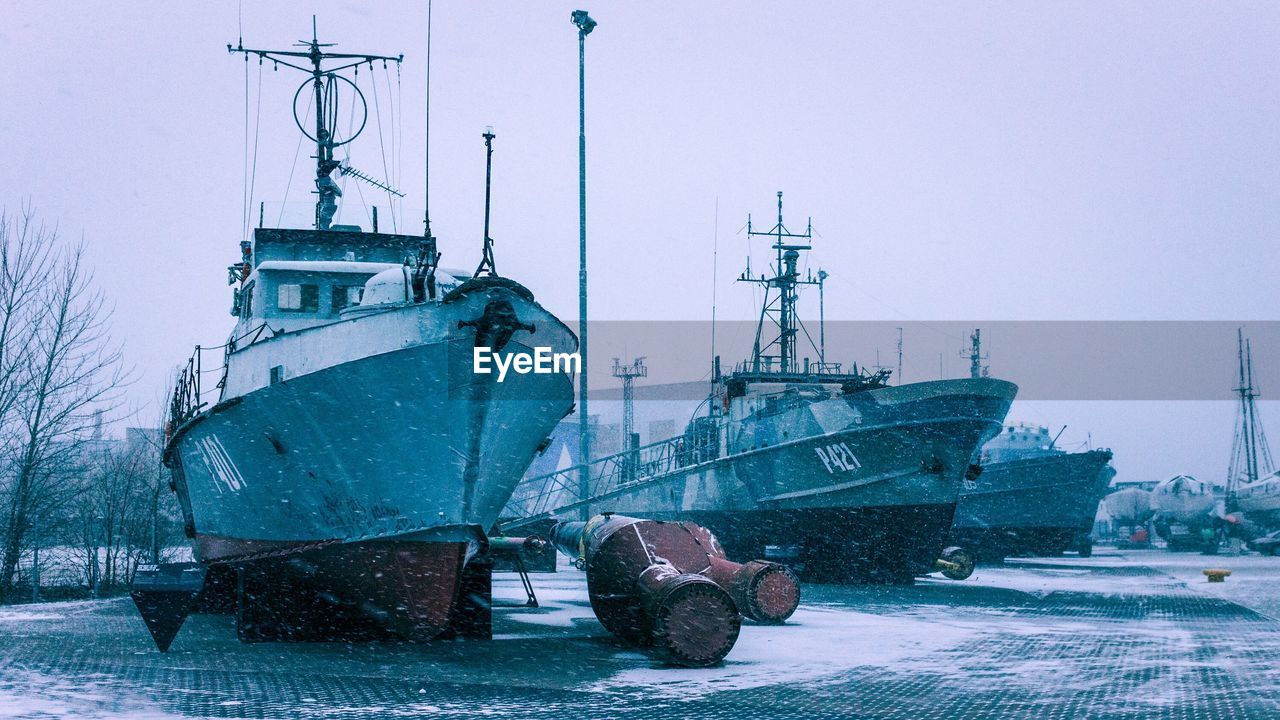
[{"x": 996, "y": 161}]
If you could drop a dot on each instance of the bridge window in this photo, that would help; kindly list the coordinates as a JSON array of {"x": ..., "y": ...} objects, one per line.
[
  {"x": 246, "y": 301},
  {"x": 298, "y": 298},
  {"x": 346, "y": 295}
]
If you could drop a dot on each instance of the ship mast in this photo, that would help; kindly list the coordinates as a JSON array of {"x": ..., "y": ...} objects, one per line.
[
  {"x": 976, "y": 368},
  {"x": 781, "y": 307},
  {"x": 1250, "y": 455},
  {"x": 325, "y": 82}
]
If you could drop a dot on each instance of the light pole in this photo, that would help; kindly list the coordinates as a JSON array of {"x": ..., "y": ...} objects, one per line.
[{"x": 585, "y": 25}]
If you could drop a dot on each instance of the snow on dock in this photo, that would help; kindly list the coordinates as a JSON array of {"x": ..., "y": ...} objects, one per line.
[{"x": 1132, "y": 635}]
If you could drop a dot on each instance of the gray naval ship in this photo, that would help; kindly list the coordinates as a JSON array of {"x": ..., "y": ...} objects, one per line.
[
  {"x": 1031, "y": 497},
  {"x": 858, "y": 478},
  {"x": 347, "y": 456}
]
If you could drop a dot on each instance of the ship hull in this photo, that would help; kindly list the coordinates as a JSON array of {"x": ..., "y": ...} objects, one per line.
[
  {"x": 1260, "y": 503},
  {"x": 371, "y": 481},
  {"x": 866, "y": 492},
  {"x": 395, "y": 588},
  {"x": 1036, "y": 506}
]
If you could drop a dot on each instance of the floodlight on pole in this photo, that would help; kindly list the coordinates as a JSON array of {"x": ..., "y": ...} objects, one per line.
[
  {"x": 585, "y": 25},
  {"x": 583, "y": 21}
]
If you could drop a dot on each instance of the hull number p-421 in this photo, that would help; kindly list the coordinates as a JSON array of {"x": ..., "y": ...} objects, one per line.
[{"x": 837, "y": 457}]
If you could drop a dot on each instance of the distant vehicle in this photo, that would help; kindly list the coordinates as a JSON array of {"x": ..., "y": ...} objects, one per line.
[
  {"x": 1130, "y": 507},
  {"x": 1189, "y": 513},
  {"x": 1267, "y": 544}
]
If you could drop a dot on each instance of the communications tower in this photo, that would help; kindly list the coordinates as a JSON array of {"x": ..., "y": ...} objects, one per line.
[{"x": 628, "y": 374}]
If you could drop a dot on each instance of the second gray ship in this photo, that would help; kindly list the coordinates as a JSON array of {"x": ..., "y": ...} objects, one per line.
[
  {"x": 858, "y": 477},
  {"x": 1031, "y": 498}
]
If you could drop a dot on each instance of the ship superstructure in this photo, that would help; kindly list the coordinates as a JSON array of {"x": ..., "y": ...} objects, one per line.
[{"x": 858, "y": 477}]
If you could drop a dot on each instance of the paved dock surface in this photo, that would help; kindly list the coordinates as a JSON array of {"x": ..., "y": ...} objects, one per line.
[{"x": 1121, "y": 635}]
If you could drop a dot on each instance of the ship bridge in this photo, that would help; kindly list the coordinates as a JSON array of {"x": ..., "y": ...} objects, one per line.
[{"x": 304, "y": 278}]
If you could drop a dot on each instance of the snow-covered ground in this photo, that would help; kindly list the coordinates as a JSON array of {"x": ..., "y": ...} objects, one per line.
[
  {"x": 25, "y": 694},
  {"x": 1254, "y": 581},
  {"x": 45, "y": 612},
  {"x": 1134, "y": 634},
  {"x": 816, "y": 646}
]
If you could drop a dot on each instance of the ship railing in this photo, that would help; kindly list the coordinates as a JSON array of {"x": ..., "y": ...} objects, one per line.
[
  {"x": 773, "y": 364},
  {"x": 191, "y": 387},
  {"x": 546, "y": 495},
  {"x": 192, "y": 391},
  {"x": 248, "y": 338}
]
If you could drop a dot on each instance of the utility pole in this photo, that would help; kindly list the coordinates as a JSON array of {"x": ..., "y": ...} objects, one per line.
[{"x": 585, "y": 25}]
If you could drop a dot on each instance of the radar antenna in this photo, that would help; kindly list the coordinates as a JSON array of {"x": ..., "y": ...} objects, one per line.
[
  {"x": 325, "y": 82},
  {"x": 348, "y": 170},
  {"x": 781, "y": 308}
]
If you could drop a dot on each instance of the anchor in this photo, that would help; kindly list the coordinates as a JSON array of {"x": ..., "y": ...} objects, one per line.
[{"x": 496, "y": 325}]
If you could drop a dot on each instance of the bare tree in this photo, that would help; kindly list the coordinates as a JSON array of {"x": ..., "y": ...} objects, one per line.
[
  {"x": 123, "y": 516},
  {"x": 155, "y": 521},
  {"x": 62, "y": 368},
  {"x": 99, "y": 513},
  {"x": 25, "y": 260}
]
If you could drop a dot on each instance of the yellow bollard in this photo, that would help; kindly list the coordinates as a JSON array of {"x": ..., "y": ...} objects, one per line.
[{"x": 1217, "y": 574}]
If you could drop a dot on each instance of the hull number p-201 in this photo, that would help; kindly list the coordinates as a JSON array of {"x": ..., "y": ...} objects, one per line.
[{"x": 837, "y": 457}]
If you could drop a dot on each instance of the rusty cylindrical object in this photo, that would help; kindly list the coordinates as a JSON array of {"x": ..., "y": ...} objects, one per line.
[
  {"x": 766, "y": 592},
  {"x": 643, "y": 597},
  {"x": 762, "y": 591}
]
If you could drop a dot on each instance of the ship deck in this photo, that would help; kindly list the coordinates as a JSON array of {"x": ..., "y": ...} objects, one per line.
[{"x": 1138, "y": 634}]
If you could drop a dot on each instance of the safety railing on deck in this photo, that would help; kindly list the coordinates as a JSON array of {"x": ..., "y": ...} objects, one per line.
[
  {"x": 546, "y": 495},
  {"x": 192, "y": 391},
  {"x": 773, "y": 364}
]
